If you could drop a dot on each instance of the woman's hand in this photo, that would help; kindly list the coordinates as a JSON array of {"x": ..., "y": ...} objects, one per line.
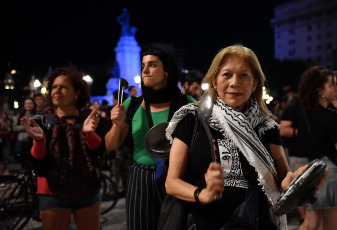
[
  {"x": 90, "y": 124},
  {"x": 117, "y": 114},
  {"x": 214, "y": 183},
  {"x": 33, "y": 131},
  {"x": 291, "y": 176}
]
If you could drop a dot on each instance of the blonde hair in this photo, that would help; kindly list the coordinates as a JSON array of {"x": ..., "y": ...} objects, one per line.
[{"x": 251, "y": 59}]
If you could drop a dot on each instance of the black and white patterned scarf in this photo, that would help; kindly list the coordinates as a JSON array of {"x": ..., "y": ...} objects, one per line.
[{"x": 239, "y": 128}]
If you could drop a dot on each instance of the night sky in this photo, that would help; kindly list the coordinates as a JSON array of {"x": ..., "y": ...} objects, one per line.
[{"x": 38, "y": 34}]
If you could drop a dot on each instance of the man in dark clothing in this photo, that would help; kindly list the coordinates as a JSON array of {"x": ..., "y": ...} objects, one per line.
[{"x": 289, "y": 132}]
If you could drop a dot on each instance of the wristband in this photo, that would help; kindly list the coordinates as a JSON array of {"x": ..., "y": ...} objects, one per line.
[{"x": 196, "y": 195}]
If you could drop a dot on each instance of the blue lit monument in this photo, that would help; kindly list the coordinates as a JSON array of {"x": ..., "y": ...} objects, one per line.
[{"x": 127, "y": 63}]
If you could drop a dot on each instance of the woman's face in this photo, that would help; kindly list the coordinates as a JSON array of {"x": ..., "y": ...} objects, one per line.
[
  {"x": 329, "y": 91},
  {"x": 63, "y": 93},
  {"x": 39, "y": 101},
  {"x": 95, "y": 105},
  {"x": 234, "y": 82},
  {"x": 28, "y": 105},
  {"x": 153, "y": 74}
]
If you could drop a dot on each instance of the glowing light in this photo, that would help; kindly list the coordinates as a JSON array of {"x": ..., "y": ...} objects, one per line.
[
  {"x": 16, "y": 105},
  {"x": 266, "y": 96},
  {"x": 43, "y": 90},
  {"x": 13, "y": 71},
  {"x": 137, "y": 79},
  {"x": 37, "y": 83},
  {"x": 88, "y": 79},
  {"x": 204, "y": 86}
]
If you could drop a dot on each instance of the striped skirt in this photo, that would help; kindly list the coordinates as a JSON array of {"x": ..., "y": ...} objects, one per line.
[{"x": 144, "y": 197}]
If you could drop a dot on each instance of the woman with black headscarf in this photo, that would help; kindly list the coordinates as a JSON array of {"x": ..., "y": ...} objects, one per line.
[{"x": 160, "y": 98}]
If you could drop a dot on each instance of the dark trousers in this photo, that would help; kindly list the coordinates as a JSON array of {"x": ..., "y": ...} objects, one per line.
[{"x": 144, "y": 197}]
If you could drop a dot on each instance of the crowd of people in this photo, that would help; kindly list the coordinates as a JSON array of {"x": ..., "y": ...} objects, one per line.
[{"x": 259, "y": 152}]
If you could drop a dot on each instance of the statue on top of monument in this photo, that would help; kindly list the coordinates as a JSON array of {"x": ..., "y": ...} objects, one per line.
[{"x": 124, "y": 20}]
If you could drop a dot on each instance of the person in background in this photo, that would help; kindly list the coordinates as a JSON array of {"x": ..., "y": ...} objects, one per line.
[
  {"x": 40, "y": 103},
  {"x": 160, "y": 98},
  {"x": 115, "y": 98},
  {"x": 317, "y": 139},
  {"x": 106, "y": 108},
  {"x": 282, "y": 105},
  {"x": 250, "y": 161},
  {"x": 288, "y": 93},
  {"x": 333, "y": 105},
  {"x": 132, "y": 91},
  {"x": 192, "y": 83},
  {"x": 70, "y": 140},
  {"x": 3, "y": 139},
  {"x": 95, "y": 105},
  {"x": 23, "y": 141},
  {"x": 289, "y": 132}
]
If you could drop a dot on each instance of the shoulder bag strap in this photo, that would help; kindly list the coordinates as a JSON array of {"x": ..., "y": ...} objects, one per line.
[
  {"x": 194, "y": 137},
  {"x": 148, "y": 114}
]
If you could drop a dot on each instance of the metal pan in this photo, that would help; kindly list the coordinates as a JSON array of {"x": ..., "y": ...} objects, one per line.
[{"x": 156, "y": 143}]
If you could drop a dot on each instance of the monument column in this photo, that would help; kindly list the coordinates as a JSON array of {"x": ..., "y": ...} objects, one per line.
[{"x": 127, "y": 54}]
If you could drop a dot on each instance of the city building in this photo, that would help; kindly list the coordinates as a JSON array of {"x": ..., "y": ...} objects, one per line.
[{"x": 307, "y": 30}]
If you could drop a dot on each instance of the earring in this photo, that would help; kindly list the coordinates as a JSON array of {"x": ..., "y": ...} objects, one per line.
[{"x": 323, "y": 97}]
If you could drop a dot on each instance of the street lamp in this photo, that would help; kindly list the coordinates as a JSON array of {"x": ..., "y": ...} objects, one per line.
[
  {"x": 16, "y": 105},
  {"x": 37, "y": 83},
  {"x": 88, "y": 79},
  {"x": 137, "y": 79},
  {"x": 204, "y": 86},
  {"x": 9, "y": 82}
]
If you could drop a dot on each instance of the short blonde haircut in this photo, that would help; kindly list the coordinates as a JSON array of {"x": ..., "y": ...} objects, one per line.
[{"x": 250, "y": 58}]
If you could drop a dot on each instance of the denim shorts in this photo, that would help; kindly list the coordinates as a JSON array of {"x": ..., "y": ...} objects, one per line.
[{"x": 47, "y": 202}]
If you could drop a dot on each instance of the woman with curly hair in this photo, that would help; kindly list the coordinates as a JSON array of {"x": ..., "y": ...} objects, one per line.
[
  {"x": 67, "y": 144},
  {"x": 317, "y": 138}
]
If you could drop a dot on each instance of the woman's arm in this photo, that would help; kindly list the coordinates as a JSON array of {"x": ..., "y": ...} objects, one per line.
[
  {"x": 118, "y": 131},
  {"x": 280, "y": 160},
  {"x": 36, "y": 133},
  {"x": 287, "y": 129},
  {"x": 176, "y": 186}
]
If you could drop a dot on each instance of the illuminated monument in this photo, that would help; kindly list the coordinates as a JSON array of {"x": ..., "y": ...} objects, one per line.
[{"x": 127, "y": 63}]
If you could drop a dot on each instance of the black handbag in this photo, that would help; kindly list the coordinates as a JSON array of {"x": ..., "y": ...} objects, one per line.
[
  {"x": 245, "y": 216},
  {"x": 174, "y": 212}
]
